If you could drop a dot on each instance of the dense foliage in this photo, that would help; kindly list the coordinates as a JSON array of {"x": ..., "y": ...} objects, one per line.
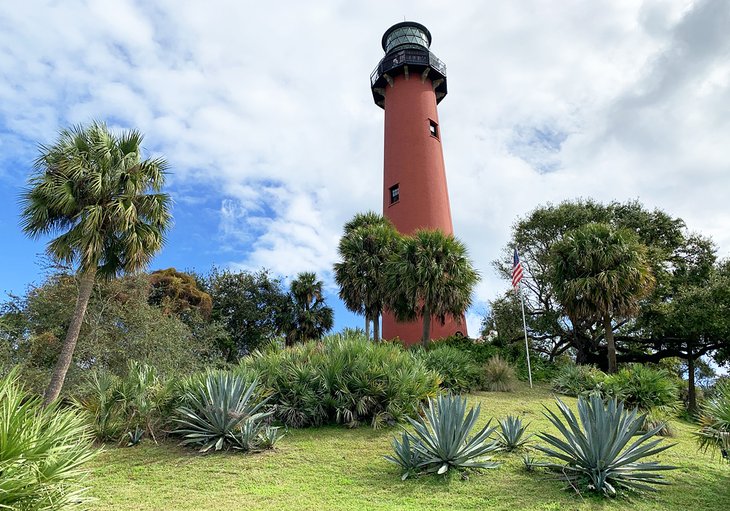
[
  {"x": 42, "y": 452},
  {"x": 252, "y": 308},
  {"x": 459, "y": 372},
  {"x": 599, "y": 451},
  {"x": 120, "y": 325},
  {"x": 343, "y": 380},
  {"x": 440, "y": 440},
  {"x": 577, "y": 380}
]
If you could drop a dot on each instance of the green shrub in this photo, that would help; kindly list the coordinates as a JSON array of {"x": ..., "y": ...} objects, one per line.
[
  {"x": 511, "y": 433},
  {"x": 653, "y": 391},
  {"x": 643, "y": 387},
  {"x": 480, "y": 352},
  {"x": 344, "y": 380},
  {"x": 124, "y": 409},
  {"x": 440, "y": 440},
  {"x": 578, "y": 380},
  {"x": 100, "y": 407},
  {"x": 599, "y": 452},
  {"x": 459, "y": 373},
  {"x": 224, "y": 413},
  {"x": 42, "y": 452},
  {"x": 499, "y": 375},
  {"x": 715, "y": 422}
]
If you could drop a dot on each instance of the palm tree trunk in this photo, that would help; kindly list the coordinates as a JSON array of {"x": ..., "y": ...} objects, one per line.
[
  {"x": 86, "y": 285},
  {"x": 367, "y": 326},
  {"x": 376, "y": 328},
  {"x": 691, "y": 388},
  {"x": 426, "y": 327},
  {"x": 612, "y": 366}
]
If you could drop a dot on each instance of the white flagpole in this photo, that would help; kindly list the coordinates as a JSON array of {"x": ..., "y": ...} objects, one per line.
[{"x": 524, "y": 326}]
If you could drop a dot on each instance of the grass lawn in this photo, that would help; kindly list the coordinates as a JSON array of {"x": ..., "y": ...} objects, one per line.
[{"x": 336, "y": 468}]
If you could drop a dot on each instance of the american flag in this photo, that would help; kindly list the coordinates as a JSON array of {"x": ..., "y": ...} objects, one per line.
[{"x": 516, "y": 271}]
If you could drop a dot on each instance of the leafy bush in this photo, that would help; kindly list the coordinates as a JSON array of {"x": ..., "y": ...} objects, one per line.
[
  {"x": 42, "y": 452},
  {"x": 715, "y": 421},
  {"x": 643, "y": 387},
  {"x": 345, "y": 380},
  {"x": 124, "y": 409},
  {"x": 225, "y": 412},
  {"x": 653, "y": 391},
  {"x": 440, "y": 440},
  {"x": 499, "y": 375},
  {"x": 511, "y": 433},
  {"x": 480, "y": 352},
  {"x": 459, "y": 373},
  {"x": 578, "y": 380},
  {"x": 603, "y": 455}
]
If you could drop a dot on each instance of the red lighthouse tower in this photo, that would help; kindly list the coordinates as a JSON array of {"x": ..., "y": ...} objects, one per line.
[{"x": 408, "y": 84}]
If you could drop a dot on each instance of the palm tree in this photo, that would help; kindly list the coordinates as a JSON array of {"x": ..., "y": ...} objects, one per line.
[
  {"x": 430, "y": 275},
  {"x": 103, "y": 203},
  {"x": 366, "y": 245},
  {"x": 600, "y": 273},
  {"x": 311, "y": 318}
]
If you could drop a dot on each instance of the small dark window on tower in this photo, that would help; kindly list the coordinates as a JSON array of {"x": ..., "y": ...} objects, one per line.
[
  {"x": 434, "y": 128},
  {"x": 394, "y": 194}
]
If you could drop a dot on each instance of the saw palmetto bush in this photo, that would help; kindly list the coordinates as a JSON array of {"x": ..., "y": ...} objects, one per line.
[
  {"x": 600, "y": 450},
  {"x": 225, "y": 412},
  {"x": 511, "y": 433},
  {"x": 459, "y": 372},
  {"x": 499, "y": 375},
  {"x": 715, "y": 421},
  {"x": 122, "y": 408},
  {"x": 343, "y": 380},
  {"x": 42, "y": 452},
  {"x": 578, "y": 380},
  {"x": 441, "y": 440},
  {"x": 653, "y": 391}
]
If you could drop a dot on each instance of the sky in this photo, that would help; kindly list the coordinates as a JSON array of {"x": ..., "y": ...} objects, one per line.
[{"x": 264, "y": 113}]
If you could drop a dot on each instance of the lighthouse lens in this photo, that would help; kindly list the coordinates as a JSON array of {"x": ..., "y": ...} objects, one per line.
[{"x": 409, "y": 36}]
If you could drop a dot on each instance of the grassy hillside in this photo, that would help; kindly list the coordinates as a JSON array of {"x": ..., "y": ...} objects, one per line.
[{"x": 336, "y": 468}]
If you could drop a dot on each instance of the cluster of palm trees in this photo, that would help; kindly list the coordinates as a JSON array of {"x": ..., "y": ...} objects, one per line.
[{"x": 426, "y": 275}]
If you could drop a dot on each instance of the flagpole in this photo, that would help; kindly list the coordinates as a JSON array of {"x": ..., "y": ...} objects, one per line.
[{"x": 524, "y": 326}]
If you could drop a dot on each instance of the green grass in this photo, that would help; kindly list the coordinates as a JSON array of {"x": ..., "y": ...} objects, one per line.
[{"x": 336, "y": 468}]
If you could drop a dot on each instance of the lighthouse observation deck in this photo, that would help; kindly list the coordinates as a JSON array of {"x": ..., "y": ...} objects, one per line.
[{"x": 406, "y": 47}]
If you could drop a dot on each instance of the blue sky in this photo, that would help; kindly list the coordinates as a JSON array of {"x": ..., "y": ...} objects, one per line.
[{"x": 264, "y": 112}]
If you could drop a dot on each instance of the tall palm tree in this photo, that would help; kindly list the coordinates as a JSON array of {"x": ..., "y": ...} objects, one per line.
[
  {"x": 600, "y": 273},
  {"x": 429, "y": 276},
  {"x": 368, "y": 241},
  {"x": 103, "y": 203},
  {"x": 311, "y": 318}
]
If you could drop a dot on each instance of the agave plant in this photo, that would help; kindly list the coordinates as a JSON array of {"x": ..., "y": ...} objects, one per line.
[
  {"x": 715, "y": 421},
  {"x": 604, "y": 453},
  {"x": 511, "y": 433},
  {"x": 224, "y": 412},
  {"x": 441, "y": 441},
  {"x": 42, "y": 451}
]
